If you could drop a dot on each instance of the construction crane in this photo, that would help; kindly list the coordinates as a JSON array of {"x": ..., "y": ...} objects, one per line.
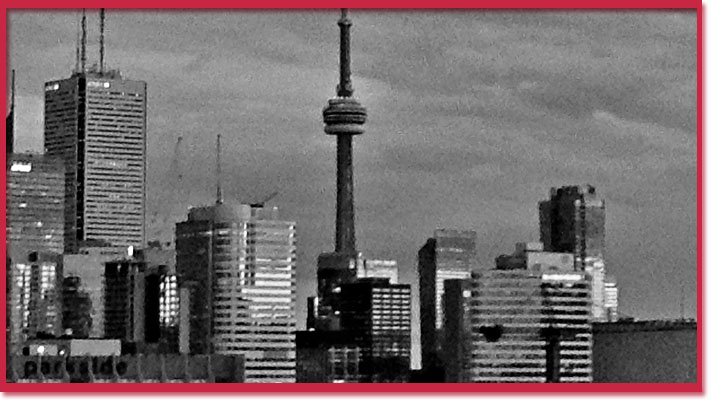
[{"x": 260, "y": 204}]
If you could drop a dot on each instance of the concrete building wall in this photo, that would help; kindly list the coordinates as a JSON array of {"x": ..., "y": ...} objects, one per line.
[{"x": 645, "y": 352}]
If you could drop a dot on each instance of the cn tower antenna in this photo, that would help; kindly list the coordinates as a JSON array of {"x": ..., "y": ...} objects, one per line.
[
  {"x": 102, "y": 18},
  {"x": 83, "y": 40},
  {"x": 219, "y": 172}
]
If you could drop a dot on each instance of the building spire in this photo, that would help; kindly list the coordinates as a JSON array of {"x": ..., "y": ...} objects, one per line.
[
  {"x": 102, "y": 18},
  {"x": 345, "y": 87},
  {"x": 218, "y": 174},
  {"x": 344, "y": 117},
  {"x": 83, "y": 41}
]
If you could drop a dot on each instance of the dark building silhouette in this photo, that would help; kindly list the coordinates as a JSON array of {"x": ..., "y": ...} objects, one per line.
[
  {"x": 378, "y": 315},
  {"x": 573, "y": 221},
  {"x": 124, "y": 300},
  {"x": 450, "y": 254},
  {"x": 162, "y": 303},
  {"x": 76, "y": 308}
]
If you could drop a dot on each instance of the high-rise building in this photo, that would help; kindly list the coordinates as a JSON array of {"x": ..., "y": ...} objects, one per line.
[
  {"x": 34, "y": 304},
  {"x": 96, "y": 122},
  {"x": 124, "y": 300},
  {"x": 35, "y": 205},
  {"x": 89, "y": 267},
  {"x": 573, "y": 221},
  {"x": 519, "y": 325},
  {"x": 450, "y": 254},
  {"x": 378, "y": 314},
  {"x": 162, "y": 303},
  {"x": 239, "y": 264}
]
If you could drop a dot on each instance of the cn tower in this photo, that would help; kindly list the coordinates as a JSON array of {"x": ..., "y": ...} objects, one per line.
[{"x": 344, "y": 117}]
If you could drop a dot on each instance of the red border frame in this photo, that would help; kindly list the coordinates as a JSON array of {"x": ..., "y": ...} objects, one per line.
[{"x": 687, "y": 388}]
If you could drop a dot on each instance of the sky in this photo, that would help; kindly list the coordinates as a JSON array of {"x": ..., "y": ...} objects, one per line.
[{"x": 472, "y": 117}]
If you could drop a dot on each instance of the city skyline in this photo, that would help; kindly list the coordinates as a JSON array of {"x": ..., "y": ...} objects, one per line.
[{"x": 508, "y": 119}]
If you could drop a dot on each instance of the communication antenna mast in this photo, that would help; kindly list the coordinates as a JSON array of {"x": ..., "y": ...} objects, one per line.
[
  {"x": 219, "y": 172},
  {"x": 83, "y": 40},
  {"x": 102, "y": 18},
  {"x": 77, "y": 62}
]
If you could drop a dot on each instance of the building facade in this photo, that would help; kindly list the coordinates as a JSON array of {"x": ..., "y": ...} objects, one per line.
[
  {"x": 663, "y": 351},
  {"x": 572, "y": 220},
  {"x": 498, "y": 326},
  {"x": 35, "y": 204},
  {"x": 89, "y": 267},
  {"x": 96, "y": 122},
  {"x": 124, "y": 300},
  {"x": 239, "y": 264},
  {"x": 76, "y": 308},
  {"x": 34, "y": 302},
  {"x": 378, "y": 314},
  {"x": 162, "y": 302},
  {"x": 450, "y": 254},
  {"x": 374, "y": 268}
]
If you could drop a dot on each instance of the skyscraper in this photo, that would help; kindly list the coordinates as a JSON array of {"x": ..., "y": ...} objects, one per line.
[
  {"x": 35, "y": 204},
  {"x": 450, "y": 254},
  {"x": 378, "y": 314},
  {"x": 499, "y": 326},
  {"x": 238, "y": 263},
  {"x": 96, "y": 121},
  {"x": 124, "y": 300},
  {"x": 89, "y": 267},
  {"x": 573, "y": 221}
]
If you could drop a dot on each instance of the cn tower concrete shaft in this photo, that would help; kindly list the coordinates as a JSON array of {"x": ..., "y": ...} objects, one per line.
[
  {"x": 344, "y": 117},
  {"x": 345, "y": 213}
]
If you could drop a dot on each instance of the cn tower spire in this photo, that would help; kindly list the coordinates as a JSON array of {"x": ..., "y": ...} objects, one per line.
[{"x": 344, "y": 117}]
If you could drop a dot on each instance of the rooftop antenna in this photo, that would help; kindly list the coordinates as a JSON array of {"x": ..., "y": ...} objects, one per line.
[
  {"x": 102, "y": 17},
  {"x": 83, "y": 40},
  {"x": 219, "y": 171},
  {"x": 78, "y": 50}
]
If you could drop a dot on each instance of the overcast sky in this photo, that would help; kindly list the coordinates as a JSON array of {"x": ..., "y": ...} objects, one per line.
[{"x": 472, "y": 118}]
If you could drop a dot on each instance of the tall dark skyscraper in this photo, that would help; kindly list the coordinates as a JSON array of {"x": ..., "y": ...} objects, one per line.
[
  {"x": 96, "y": 121},
  {"x": 450, "y": 254},
  {"x": 573, "y": 221}
]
